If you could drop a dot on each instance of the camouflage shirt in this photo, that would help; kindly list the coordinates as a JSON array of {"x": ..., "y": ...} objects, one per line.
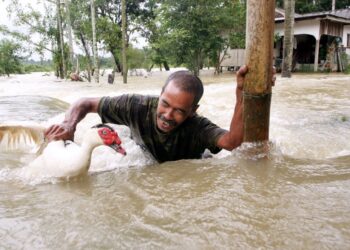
[{"x": 138, "y": 112}]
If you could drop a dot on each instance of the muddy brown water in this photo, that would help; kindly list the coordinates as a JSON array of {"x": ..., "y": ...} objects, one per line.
[{"x": 297, "y": 198}]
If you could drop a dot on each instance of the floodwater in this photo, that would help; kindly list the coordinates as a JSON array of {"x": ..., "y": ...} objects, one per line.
[{"x": 298, "y": 197}]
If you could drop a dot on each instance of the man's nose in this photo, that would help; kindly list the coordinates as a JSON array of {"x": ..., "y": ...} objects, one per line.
[{"x": 168, "y": 114}]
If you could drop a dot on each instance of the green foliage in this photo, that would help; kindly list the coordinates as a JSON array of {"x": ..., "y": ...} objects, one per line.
[
  {"x": 42, "y": 24},
  {"x": 10, "y": 59},
  {"x": 156, "y": 53},
  {"x": 29, "y": 68},
  {"x": 343, "y": 118},
  {"x": 308, "y": 6},
  {"x": 106, "y": 63},
  {"x": 57, "y": 61},
  {"x": 108, "y": 23},
  {"x": 191, "y": 31},
  {"x": 347, "y": 69},
  {"x": 237, "y": 12},
  {"x": 136, "y": 58},
  {"x": 345, "y": 59}
]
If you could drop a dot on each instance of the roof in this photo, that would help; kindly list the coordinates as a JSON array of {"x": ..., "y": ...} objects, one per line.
[{"x": 341, "y": 15}]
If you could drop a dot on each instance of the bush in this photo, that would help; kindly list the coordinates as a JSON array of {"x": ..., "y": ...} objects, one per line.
[
  {"x": 29, "y": 68},
  {"x": 10, "y": 60}
]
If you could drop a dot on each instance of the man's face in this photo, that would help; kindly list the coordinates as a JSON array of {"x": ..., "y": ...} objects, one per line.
[{"x": 174, "y": 107}]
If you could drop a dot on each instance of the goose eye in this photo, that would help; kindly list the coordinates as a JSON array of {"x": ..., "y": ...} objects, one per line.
[{"x": 104, "y": 132}]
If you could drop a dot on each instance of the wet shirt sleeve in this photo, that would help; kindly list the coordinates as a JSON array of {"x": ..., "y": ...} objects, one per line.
[
  {"x": 115, "y": 109},
  {"x": 208, "y": 135}
]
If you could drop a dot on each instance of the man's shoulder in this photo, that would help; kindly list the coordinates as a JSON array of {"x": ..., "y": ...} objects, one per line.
[
  {"x": 144, "y": 98},
  {"x": 131, "y": 98},
  {"x": 200, "y": 124},
  {"x": 198, "y": 119}
]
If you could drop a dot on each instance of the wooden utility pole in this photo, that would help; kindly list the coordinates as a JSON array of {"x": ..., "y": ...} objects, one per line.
[
  {"x": 257, "y": 84},
  {"x": 125, "y": 65}
]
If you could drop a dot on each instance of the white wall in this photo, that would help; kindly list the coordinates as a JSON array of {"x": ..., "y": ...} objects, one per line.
[
  {"x": 345, "y": 34},
  {"x": 345, "y": 37},
  {"x": 310, "y": 27}
]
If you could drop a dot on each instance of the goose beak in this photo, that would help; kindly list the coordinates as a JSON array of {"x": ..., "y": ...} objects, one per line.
[{"x": 118, "y": 148}]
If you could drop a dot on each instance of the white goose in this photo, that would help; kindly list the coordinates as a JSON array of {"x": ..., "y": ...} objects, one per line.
[{"x": 66, "y": 158}]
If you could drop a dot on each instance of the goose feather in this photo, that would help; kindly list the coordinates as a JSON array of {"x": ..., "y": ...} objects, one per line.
[{"x": 59, "y": 158}]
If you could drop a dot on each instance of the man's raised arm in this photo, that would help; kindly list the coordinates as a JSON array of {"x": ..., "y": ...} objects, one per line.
[
  {"x": 234, "y": 138},
  {"x": 65, "y": 130}
]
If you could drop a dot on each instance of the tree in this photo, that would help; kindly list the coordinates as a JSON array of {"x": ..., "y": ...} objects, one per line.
[
  {"x": 125, "y": 66},
  {"x": 288, "y": 38},
  {"x": 69, "y": 31},
  {"x": 94, "y": 42},
  {"x": 63, "y": 74},
  {"x": 80, "y": 16},
  {"x": 109, "y": 24},
  {"x": 191, "y": 29},
  {"x": 307, "y": 6},
  {"x": 10, "y": 59},
  {"x": 150, "y": 30},
  {"x": 43, "y": 25}
]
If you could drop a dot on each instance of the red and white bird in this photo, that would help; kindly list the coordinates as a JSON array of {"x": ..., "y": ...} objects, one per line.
[{"x": 66, "y": 158}]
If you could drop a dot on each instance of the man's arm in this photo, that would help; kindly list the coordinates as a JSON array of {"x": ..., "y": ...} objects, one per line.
[
  {"x": 234, "y": 138},
  {"x": 65, "y": 130}
]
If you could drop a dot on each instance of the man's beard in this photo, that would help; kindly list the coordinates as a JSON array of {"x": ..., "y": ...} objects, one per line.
[{"x": 171, "y": 123}]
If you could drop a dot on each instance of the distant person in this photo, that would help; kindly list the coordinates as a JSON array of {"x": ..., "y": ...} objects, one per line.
[{"x": 167, "y": 126}]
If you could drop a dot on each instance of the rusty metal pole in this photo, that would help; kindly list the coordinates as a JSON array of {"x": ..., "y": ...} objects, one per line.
[{"x": 258, "y": 58}]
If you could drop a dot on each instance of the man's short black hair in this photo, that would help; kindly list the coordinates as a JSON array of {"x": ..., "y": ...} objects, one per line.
[{"x": 187, "y": 82}]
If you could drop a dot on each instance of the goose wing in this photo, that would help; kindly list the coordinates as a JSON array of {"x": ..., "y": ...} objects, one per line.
[{"x": 22, "y": 138}]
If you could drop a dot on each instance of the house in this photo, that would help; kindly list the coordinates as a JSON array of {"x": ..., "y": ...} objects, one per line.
[{"x": 319, "y": 39}]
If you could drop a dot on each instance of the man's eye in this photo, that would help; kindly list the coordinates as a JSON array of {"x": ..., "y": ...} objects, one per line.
[{"x": 181, "y": 112}]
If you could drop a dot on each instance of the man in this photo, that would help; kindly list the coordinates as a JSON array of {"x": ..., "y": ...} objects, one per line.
[{"x": 167, "y": 126}]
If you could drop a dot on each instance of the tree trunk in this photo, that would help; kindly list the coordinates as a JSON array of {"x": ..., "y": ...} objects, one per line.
[
  {"x": 166, "y": 65},
  {"x": 82, "y": 39},
  {"x": 94, "y": 42},
  {"x": 257, "y": 84},
  {"x": 61, "y": 43},
  {"x": 288, "y": 38},
  {"x": 125, "y": 65},
  {"x": 70, "y": 39}
]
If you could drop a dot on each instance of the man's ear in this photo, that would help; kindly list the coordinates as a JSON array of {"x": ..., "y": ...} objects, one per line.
[{"x": 194, "y": 109}]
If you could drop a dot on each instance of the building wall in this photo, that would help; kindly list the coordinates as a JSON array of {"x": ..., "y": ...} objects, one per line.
[
  {"x": 310, "y": 27},
  {"x": 346, "y": 42}
]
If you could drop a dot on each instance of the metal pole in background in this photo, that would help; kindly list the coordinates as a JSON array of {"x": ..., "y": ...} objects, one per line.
[{"x": 259, "y": 55}]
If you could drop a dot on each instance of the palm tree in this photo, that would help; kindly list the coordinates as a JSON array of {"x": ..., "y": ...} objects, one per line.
[{"x": 289, "y": 6}]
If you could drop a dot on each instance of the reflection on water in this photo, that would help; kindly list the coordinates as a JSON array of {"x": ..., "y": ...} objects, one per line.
[
  {"x": 29, "y": 108},
  {"x": 297, "y": 198}
]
